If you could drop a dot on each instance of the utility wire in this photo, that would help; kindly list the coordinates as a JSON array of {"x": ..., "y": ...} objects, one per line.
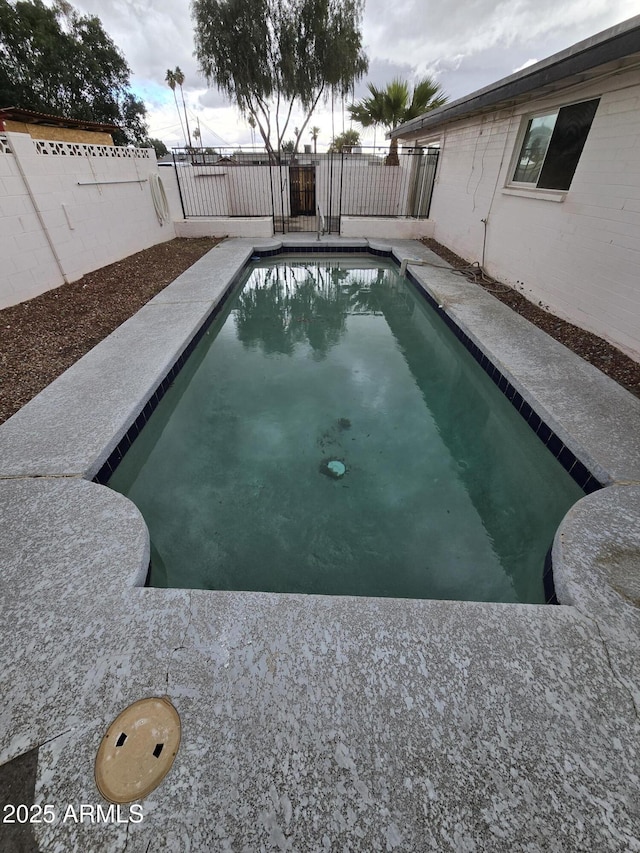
[{"x": 210, "y": 129}]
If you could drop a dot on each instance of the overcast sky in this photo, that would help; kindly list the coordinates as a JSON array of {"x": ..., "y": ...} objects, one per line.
[{"x": 464, "y": 44}]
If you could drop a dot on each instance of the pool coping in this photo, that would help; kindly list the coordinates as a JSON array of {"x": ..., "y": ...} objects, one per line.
[{"x": 61, "y": 440}]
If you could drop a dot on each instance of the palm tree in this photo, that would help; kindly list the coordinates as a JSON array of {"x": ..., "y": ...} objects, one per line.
[
  {"x": 344, "y": 142},
  {"x": 392, "y": 106},
  {"x": 314, "y": 136},
  {"x": 170, "y": 79},
  {"x": 178, "y": 76}
]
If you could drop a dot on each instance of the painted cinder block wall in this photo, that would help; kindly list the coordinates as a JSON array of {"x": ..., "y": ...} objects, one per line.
[
  {"x": 95, "y": 208},
  {"x": 27, "y": 264},
  {"x": 579, "y": 257}
]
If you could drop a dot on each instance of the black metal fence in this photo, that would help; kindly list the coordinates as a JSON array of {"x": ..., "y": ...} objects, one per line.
[{"x": 361, "y": 182}]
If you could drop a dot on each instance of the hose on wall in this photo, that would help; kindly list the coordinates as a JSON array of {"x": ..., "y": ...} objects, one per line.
[{"x": 159, "y": 197}]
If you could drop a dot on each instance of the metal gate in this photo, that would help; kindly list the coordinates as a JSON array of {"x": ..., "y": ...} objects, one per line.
[
  {"x": 302, "y": 190},
  {"x": 360, "y": 182}
]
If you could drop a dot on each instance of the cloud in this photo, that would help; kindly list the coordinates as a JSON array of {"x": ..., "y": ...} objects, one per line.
[
  {"x": 212, "y": 98},
  {"x": 381, "y": 71},
  {"x": 153, "y": 35},
  {"x": 525, "y": 65},
  {"x": 467, "y": 45},
  {"x": 427, "y": 39},
  {"x": 408, "y": 35}
]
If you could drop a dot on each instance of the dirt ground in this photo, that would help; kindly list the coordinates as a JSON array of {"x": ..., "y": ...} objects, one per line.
[{"x": 41, "y": 338}]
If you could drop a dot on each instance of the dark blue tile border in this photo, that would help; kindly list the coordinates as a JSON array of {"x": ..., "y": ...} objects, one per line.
[
  {"x": 582, "y": 476},
  {"x": 547, "y": 580},
  {"x": 576, "y": 469},
  {"x": 109, "y": 467}
]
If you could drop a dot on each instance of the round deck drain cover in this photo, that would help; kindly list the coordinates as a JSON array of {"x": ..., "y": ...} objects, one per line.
[{"x": 137, "y": 750}]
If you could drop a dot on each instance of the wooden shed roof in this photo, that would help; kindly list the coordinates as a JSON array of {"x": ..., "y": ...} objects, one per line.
[{"x": 32, "y": 117}]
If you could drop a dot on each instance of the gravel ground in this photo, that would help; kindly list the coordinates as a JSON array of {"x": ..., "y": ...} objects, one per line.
[
  {"x": 40, "y": 338},
  {"x": 593, "y": 349}
]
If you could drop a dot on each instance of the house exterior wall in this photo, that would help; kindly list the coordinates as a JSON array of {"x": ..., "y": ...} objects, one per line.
[
  {"x": 579, "y": 255},
  {"x": 67, "y": 209}
]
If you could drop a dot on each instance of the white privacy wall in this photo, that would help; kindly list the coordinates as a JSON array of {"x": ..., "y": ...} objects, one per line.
[
  {"x": 27, "y": 264},
  {"x": 94, "y": 204},
  {"x": 579, "y": 257}
]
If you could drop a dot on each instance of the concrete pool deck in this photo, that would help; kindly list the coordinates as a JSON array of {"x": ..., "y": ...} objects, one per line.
[{"x": 315, "y": 723}]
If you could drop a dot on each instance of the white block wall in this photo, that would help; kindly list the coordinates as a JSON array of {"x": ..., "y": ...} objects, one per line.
[
  {"x": 251, "y": 185},
  {"x": 579, "y": 257},
  {"x": 27, "y": 264},
  {"x": 95, "y": 207},
  {"x": 375, "y": 189},
  {"x": 237, "y": 226},
  {"x": 386, "y": 228},
  {"x": 169, "y": 182},
  {"x": 328, "y": 187}
]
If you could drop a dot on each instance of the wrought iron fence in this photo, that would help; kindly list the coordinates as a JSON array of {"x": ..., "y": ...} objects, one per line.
[{"x": 356, "y": 182}]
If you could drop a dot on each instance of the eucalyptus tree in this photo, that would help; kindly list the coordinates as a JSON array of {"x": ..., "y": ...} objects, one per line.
[
  {"x": 55, "y": 61},
  {"x": 269, "y": 56},
  {"x": 394, "y": 105}
]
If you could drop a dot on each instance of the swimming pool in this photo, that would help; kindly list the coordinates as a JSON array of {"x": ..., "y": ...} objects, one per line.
[{"x": 330, "y": 435}]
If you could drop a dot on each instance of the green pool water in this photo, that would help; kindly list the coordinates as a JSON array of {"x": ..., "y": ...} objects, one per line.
[{"x": 330, "y": 435}]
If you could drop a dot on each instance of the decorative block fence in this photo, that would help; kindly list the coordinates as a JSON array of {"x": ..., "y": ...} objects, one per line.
[{"x": 69, "y": 208}]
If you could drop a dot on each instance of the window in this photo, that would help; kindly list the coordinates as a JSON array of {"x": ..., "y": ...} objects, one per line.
[{"x": 552, "y": 146}]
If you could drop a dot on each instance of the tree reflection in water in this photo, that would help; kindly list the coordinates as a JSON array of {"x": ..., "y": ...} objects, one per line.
[{"x": 304, "y": 303}]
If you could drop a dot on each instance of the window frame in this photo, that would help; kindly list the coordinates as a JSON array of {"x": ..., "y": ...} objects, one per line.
[
  {"x": 522, "y": 136},
  {"x": 530, "y": 188}
]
